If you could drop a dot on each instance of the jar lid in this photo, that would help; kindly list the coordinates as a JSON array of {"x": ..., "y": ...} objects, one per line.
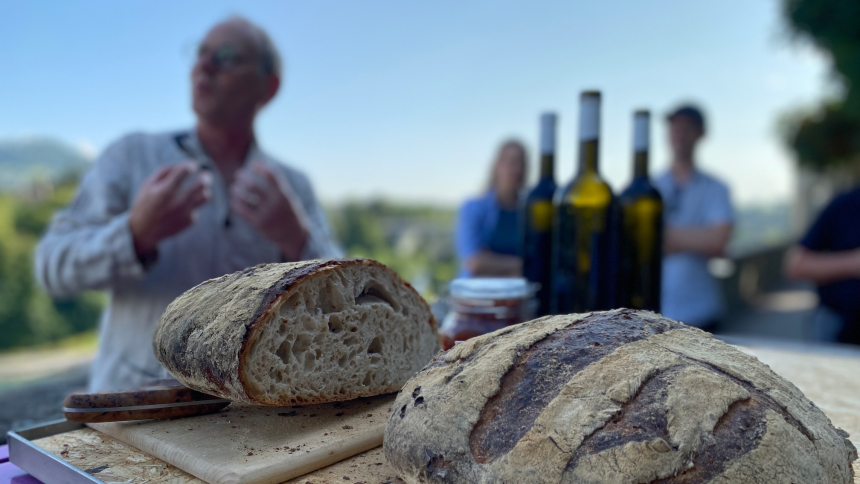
[{"x": 490, "y": 288}]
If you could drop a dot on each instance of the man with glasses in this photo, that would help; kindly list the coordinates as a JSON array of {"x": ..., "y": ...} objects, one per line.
[
  {"x": 698, "y": 222},
  {"x": 161, "y": 213}
]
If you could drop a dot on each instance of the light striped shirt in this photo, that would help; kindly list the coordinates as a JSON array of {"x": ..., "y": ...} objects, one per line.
[
  {"x": 89, "y": 246},
  {"x": 690, "y": 293}
]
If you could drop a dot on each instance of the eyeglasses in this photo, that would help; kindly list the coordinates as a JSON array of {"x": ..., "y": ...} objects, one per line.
[{"x": 224, "y": 57}]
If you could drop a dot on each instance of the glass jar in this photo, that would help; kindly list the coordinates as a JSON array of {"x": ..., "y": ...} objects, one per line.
[{"x": 484, "y": 305}]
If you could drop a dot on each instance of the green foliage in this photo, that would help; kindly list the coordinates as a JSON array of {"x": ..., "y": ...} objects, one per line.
[
  {"x": 831, "y": 25},
  {"x": 830, "y": 136},
  {"x": 28, "y": 316},
  {"x": 415, "y": 241},
  {"x": 15, "y": 286},
  {"x": 359, "y": 228}
]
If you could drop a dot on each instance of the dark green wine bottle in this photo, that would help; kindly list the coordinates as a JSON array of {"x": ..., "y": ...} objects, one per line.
[
  {"x": 641, "y": 234},
  {"x": 584, "y": 219},
  {"x": 537, "y": 215}
]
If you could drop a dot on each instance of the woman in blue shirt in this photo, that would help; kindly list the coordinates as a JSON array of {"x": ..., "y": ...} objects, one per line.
[{"x": 488, "y": 232}]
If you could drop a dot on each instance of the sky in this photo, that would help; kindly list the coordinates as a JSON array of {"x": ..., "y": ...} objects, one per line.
[{"x": 409, "y": 100}]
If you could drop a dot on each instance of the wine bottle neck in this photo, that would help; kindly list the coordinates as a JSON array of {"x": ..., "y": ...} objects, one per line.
[
  {"x": 547, "y": 165},
  {"x": 547, "y": 145},
  {"x": 588, "y": 156},
  {"x": 640, "y": 164},
  {"x": 589, "y": 131},
  {"x": 641, "y": 143}
]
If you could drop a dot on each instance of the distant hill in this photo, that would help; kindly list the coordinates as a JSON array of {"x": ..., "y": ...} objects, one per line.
[{"x": 23, "y": 160}]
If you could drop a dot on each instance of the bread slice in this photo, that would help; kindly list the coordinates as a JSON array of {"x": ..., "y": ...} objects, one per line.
[
  {"x": 298, "y": 333},
  {"x": 609, "y": 397}
]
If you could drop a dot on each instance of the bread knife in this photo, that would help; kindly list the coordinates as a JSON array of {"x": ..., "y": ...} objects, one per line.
[{"x": 165, "y": 399}]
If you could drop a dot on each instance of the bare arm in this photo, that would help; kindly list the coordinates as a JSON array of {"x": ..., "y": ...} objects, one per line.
[
  {"x": 706, "y": 241},
  {"x": 822, "y": 267},
  {"x": 491, "y": 264}
]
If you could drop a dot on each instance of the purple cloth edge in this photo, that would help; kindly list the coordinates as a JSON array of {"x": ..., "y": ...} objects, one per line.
[{"x": 12, "y": 474}]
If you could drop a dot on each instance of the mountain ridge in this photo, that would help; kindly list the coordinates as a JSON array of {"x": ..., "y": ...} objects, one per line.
[{"x": 24, "y": 160}]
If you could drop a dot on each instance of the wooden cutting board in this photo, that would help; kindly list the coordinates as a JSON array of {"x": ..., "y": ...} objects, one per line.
[{"x": 260, "y": 445}]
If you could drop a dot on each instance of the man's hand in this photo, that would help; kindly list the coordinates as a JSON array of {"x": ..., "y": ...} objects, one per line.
[
  {"x": 259, "y": 196},
  {"x": 165, "y": 207},
  {"x": 822, "y": 267}
]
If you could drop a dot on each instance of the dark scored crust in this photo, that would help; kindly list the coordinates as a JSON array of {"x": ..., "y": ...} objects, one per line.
[
  {"x": 541, "y": 372},
  {"x": 494, "y": 410},
  {"x": 203, "y": 335},
  {"x": 637, "y": 422},
  {"x": 737, "y": 432}
]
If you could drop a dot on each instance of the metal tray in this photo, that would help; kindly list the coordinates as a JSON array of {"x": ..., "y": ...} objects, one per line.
[{"x": 42, "y": 464}]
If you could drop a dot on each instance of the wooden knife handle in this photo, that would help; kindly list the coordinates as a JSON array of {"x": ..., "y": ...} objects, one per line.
[{"x": 155, "y": 402}]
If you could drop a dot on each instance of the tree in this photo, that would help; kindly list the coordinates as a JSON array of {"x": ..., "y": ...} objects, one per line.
[
  {"x": 28, "y": 315},
  {"x": 829, "y": 136},
  {"x": 372, "y": 229},
  {"x": 15, "y": 287}
]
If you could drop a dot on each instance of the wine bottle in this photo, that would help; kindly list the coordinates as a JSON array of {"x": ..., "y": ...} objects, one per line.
[
  {"x": 641, "y": 234},
  {"x": 537, "y": 218},
  {"x": 584, "y": 219}
]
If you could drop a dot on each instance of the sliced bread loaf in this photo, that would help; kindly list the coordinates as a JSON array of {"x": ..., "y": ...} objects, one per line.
[{"x": 298, "y": 333}]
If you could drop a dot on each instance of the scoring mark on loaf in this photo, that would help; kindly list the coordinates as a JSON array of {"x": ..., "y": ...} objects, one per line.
[
  {"x": 636, "y": 422},
  {"x": 675, "y": 425},
  {"x": 738, "y": 432},
  {"x": 541, "y": 372},
  {"x": 684, "y": 423},
  {"x": 759, "y": 393},
  {"x": 691, "y": 436},
  {"x": 677, "y": 407}
]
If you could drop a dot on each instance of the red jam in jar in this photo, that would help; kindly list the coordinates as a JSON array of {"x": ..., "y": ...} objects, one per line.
[{"x": 484, "y": 305}]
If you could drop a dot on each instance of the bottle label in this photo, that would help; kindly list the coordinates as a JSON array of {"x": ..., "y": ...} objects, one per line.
[
  {"x": 547, "y": 133},
  {"x": 589, "y": 118},
  {"x": 641, "y": 135},
  {"x": 541, "y": 216}
]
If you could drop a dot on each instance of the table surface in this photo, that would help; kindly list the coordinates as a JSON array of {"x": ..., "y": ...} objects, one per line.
[{"x": 826, "y": 374}]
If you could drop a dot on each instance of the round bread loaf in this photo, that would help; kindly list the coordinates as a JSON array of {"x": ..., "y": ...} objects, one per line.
[
  {"x": 610, "y": 397},
  {"x": 298, "y": 333}
]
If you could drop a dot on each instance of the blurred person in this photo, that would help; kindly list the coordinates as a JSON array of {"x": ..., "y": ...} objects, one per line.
[
  {"x": 487, "y": 236},
  {"x": 829, "y": 256},
  {"x": 698, "y": 220},
  {"x": 160, "y": 213}
]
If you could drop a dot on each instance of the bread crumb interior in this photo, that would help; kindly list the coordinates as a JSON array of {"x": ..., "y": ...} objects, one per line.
[{"x": 350, "y": 331}]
